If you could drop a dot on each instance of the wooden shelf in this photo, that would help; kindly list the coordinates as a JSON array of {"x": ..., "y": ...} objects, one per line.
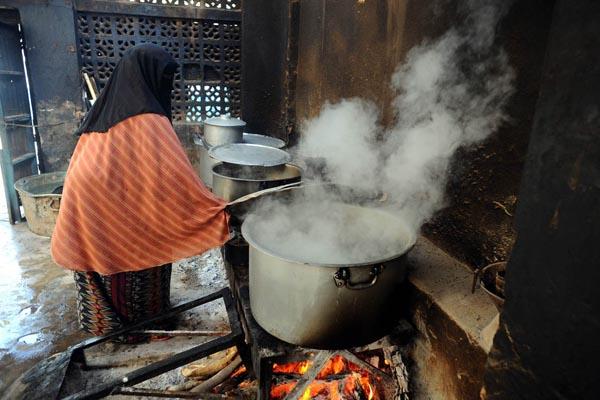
[
  {"x": 23, "y": 158},
  {"x": 17, "y": 117},
  {"x": 4, "y": 72}
]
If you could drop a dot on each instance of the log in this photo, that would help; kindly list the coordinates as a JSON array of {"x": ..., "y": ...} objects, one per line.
[
  {"x": 219, "y": 377},
  {"x": 184, "y": 386},
  {"x": 209, "y": 365}
]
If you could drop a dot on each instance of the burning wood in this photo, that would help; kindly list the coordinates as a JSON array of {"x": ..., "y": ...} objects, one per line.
[{"x": 338, "y": 379}]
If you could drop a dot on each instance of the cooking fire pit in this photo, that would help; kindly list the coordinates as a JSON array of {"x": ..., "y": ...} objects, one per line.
[{"x": 285, "y": 371}]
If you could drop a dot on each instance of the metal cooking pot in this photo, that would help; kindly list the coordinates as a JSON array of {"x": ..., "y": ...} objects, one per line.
[
  {"x": 223, "y": 130},
  {"x": 231, "y": 181},
  {"x": 206, "y": 163},
  {"x": 326, "y": 305}
]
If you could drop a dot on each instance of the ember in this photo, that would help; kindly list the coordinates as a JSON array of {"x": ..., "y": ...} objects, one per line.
[{"x": 338, "y": 379}]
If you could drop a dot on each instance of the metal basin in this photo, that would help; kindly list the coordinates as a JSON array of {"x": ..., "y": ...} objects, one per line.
[
  {"x": 40, "y": 203},
  {"x": 327, "y": 305}
]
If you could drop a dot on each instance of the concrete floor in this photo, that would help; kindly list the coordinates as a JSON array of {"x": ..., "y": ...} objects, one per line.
[
  {"x": 38, "y": 299},
  {"x": 37, "y": 302}
]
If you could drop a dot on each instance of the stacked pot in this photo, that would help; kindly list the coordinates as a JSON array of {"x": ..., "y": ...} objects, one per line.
[
  {"x": 224, "y": 130},
  {"x": 217, "y": 131},
  {"x": 235, "y": 164}
]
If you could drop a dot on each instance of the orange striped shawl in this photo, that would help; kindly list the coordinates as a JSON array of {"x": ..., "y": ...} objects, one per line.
[{"x": 131, "y": 201}]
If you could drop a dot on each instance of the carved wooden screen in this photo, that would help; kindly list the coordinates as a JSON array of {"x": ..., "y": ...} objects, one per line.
[{"x": 206, "y": 47}]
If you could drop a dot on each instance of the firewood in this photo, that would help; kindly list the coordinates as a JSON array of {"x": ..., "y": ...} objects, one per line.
[
  {"x": 209, "y": 365},
  {"x": 219, "y": 377},
  {"x": 187, "y": 385}
]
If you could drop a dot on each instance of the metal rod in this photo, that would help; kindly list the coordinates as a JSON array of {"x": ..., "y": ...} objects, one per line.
[
  {"x": 169, "y": 394},
  {"x": 320, "y": 360},
  {"x": 224, "y": 293},
  {"x": 235, "y": 338},
  {"x": 181, "y": 333}
]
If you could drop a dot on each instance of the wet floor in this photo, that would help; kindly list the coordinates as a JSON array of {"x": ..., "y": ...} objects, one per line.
[
  {"x": 37, "y": 302},
  {"x": 37, "y": 299}
]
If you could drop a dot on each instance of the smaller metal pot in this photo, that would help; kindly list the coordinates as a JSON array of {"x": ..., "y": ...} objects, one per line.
[
  {"x": 231, "y": 181},
  {"x": 223, "y": 130}
]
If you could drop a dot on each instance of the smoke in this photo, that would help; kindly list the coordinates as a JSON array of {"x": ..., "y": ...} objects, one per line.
[{"x": 450, "y": 93}]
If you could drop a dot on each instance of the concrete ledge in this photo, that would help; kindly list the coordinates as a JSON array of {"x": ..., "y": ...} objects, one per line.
[{"x": 455, "y": 327}]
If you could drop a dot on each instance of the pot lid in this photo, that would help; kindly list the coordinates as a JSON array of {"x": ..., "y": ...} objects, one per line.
[
  {"x": 224, "y": 120},
  {"x": 253, "y": 138},
  {"x": 250, "y": 154}
]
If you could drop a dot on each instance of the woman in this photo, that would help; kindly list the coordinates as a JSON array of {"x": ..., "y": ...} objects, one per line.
[{"x": 132, "y": 203}]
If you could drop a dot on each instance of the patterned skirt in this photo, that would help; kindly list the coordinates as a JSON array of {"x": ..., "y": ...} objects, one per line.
[{"x": 108, "y": 303}]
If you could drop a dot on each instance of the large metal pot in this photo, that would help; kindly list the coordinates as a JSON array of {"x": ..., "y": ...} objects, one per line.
[
  {"x": 231, "y": 181},
  {"x": 326, "y": 305},
  {"x": 223, "y": 130}
]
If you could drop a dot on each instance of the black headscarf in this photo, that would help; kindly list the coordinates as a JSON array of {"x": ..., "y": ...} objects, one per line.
[{"x": 140, "y": 83}]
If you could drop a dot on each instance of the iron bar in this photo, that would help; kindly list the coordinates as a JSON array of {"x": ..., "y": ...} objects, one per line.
[
  {"x": 235, "y": 338},
  {"x": 319, "y": 362}
]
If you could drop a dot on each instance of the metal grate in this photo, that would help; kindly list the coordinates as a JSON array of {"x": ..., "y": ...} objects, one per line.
[
  {"x": 223, "y": 4},
  {"x": 208, "y": 52}
]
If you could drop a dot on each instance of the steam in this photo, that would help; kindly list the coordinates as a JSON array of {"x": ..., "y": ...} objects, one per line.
[{"x": 450, "y": 93}]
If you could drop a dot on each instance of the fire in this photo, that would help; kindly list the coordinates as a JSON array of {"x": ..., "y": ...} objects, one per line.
[
  {"x": 292, "y": 368},
  {"x": 338, "y": 380},
  {"x": 241, "y": 370}
]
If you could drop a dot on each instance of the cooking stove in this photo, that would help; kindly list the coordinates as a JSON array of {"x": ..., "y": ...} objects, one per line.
[{"x": 285, "y": 371}]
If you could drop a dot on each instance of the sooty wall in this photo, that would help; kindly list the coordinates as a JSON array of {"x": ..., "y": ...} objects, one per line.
[
  {"x": 350, "y": 48},
  {"x": 547, "y": 345}
]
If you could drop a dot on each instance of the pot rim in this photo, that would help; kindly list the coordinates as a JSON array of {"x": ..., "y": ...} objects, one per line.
[
  {"x": 411, "y": 243},
  {"x": 236, "y": 179},
  {"x": 18, "y": 185},
  {"x": 225, "y": 121},
  {"x": 274, "y": 156}
]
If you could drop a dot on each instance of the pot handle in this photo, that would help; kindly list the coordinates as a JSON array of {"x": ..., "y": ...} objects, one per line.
[
  {"x": 200, "y": 141},
  {"x": 342, "y": 278},
  {"x": 254, "y": 195}
]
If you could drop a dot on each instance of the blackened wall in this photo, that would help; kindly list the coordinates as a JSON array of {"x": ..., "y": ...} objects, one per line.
[
  {"x": 547, "y": 346},
  {"x": 347, "y": 48},
  {"x": 350, "y": 48},
  {"x": 478, "y": 227},
  {"x": 53, "y": 68},
  {"x": 268, "y": 57}
]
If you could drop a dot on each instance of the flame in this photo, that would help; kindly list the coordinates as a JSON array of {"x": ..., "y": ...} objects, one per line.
[
  {"x": 339, "y": 379},
  {"x": 245, "y": 384},
  {"x": 241, "y": 370},
  {"x": 292, "y": 368},
  {"x": 282, "y": 390}
]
